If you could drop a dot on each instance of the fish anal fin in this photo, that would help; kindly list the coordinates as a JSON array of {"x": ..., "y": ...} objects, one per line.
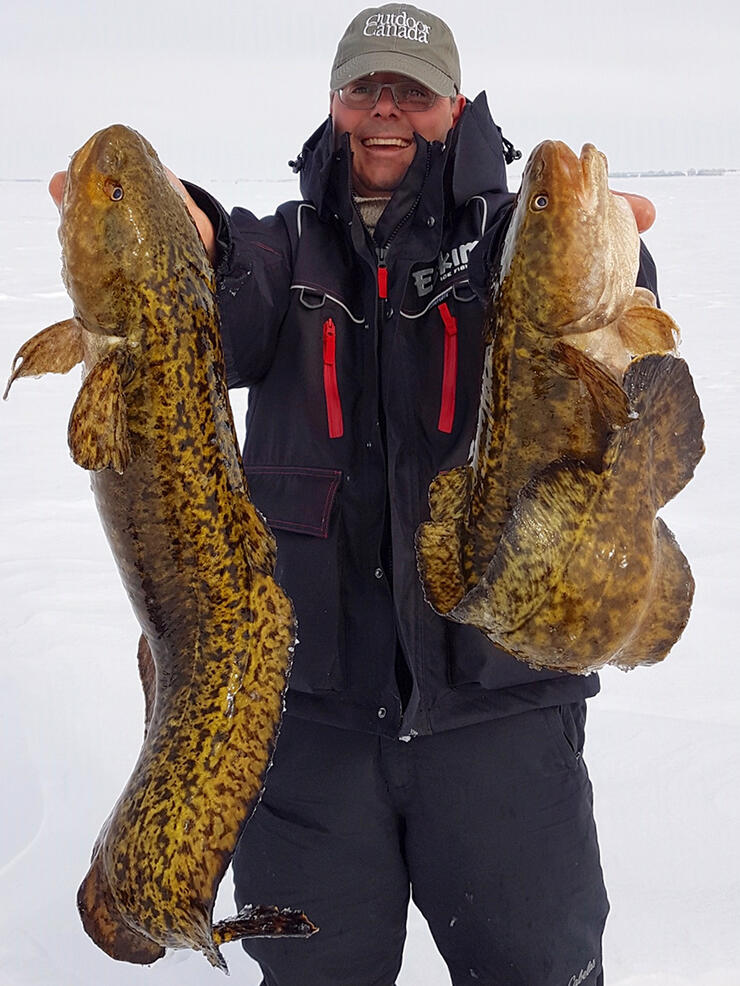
[
  {"x": 669, "y": 608},
  {"x": 255, "y": 921},
  {"x": 98, "y": 432},
  {"x": 148, "y": 675},
  {"x": 102, "y": 921},
  {"x": 55, "y": 349},
  {"x": 608, "y": 396},
  {"x": 669, "y": 417}
]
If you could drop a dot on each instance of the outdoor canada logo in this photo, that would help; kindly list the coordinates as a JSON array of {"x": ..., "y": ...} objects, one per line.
[{"x": 397, "y": 26}]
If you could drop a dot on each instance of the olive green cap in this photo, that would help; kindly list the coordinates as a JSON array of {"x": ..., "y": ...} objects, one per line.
[{"x": 398, "y": 38}]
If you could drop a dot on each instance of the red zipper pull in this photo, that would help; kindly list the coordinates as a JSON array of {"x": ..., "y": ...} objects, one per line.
[
  {"x": 331, "y": 388},
  {"x": 382, "y": 274},
  {"x": 449, "y": 374}
]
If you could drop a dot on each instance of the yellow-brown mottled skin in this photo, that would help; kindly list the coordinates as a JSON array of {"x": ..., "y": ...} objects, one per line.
[
  {"x": 153, "y": 422},
  {"x": 522, "y": 541}
]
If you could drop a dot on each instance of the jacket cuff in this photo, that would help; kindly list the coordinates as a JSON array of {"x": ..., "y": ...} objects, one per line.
[
  {"x": 221, "y": 226},
  {"x": 485, "y": 257}
]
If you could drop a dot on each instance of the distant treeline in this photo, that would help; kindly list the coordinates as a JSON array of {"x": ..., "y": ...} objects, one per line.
[{"x": 672, "y": 174}]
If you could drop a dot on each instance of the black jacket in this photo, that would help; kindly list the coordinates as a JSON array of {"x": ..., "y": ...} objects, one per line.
[{"x": 356, "y": 402}]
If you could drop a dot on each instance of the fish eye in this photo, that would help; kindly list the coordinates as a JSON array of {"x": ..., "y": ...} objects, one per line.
[
  {"x": 539, "y": 202},
  {"x": 114, "y": 190}
]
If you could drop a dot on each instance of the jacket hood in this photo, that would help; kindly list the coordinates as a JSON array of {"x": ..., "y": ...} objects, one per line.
[{"x": 470, "y": 163}]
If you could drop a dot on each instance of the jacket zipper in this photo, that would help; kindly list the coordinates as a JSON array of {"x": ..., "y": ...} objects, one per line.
[
  {"x": 449, "y": 374},
  {"x": 331, "y": 389}
]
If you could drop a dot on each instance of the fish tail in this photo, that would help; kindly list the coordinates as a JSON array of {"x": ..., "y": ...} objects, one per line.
[
  {"x": 669, "y": 423},
  {"x": 255, "y": 921},
  {"x": 667, "y": 613},
  {"x": 103, "y": 922},
  {"x": 439, "y": 553}
]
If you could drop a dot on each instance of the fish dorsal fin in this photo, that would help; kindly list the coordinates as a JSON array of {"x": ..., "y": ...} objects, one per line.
[
  {"x": 55, "y": 349},
  {"x": 669, "y": 417},
  {"x": 606, "y": 393},
  {"x": 98, "y": 426}
]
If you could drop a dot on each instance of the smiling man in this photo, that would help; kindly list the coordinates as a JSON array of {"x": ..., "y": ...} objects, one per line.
[{"x": 415, "y": 757}]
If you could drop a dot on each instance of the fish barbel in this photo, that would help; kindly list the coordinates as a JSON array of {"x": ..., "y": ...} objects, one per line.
[
  {"x": 547, "y": 539},
  {"x": 152, "y": 423}
]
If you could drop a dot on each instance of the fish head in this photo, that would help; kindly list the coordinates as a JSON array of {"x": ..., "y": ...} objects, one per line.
[
  {"x": 571, "y": 253},
  {"x": 122, "y": 223}
]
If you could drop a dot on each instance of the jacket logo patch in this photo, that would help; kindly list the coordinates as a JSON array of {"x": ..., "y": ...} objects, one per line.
[
  {"x": 448, "y": 263},
  {"x": 397, "y": 26}
]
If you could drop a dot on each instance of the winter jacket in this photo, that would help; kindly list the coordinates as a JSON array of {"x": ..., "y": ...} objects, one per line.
[{"x": 363, "y": 358}]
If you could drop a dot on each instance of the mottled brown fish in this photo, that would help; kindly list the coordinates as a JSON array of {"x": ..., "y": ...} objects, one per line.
[
  {"x": 153, "y": 424},
  {"x": 547, "y": 540}
]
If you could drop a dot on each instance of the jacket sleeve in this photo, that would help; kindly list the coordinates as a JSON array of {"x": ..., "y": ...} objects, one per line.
[{"x": 253, "y": 277}]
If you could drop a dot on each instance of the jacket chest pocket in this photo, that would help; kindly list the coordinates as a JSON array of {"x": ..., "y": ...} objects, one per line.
[
  {"x": 448, "y": 331},
  {"x": 332, "y": 322},
  {"x": 301, "y": 506}
]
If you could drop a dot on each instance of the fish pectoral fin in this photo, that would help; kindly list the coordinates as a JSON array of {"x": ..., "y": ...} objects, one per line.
[
  {"x": 98, "y": 426},
  {"x": 55, "y": 349},
  {"x": 644, "y": 329},
  {"x": 608, "y": 396},
  {"x": 255, "y": 921}
]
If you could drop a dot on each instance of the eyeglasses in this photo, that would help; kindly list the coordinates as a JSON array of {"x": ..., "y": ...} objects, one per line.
[{"x": 409, "y": 97}]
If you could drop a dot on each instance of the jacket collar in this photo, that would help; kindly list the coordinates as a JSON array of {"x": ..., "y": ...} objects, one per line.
[{"x": 442, "y": 176}]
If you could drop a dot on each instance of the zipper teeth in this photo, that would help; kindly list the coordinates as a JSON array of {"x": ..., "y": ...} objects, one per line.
[{"x": 402, "y": 222}]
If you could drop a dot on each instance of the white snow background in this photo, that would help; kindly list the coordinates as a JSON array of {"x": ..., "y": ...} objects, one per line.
[
  {"x": 663, "y": 743},
  {"x": 654, "y": 88}
]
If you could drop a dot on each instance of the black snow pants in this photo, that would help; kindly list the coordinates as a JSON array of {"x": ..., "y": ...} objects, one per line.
[{"x": 489, "y": 827}]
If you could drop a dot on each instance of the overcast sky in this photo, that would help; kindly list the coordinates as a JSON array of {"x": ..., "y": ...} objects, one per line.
[{"x": 231, "y": 90}]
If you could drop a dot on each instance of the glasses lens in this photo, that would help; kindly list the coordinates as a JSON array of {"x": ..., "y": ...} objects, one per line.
[
  {"x": 412, "y": 96},
  {"x": 409, "y": 97}
]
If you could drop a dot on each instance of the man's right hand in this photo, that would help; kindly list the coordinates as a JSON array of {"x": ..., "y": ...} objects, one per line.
[{"x": 201, "y": 220}]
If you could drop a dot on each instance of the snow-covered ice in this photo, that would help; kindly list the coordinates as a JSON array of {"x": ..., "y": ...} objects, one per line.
[{"x": 663, "y": 743}]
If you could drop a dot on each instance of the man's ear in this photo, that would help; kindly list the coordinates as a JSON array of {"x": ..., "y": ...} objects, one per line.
[{"x": 457, "y": 107}]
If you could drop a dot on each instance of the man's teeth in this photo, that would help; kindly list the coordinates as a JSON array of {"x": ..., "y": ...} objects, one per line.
[{"x": 385, "y": 142}]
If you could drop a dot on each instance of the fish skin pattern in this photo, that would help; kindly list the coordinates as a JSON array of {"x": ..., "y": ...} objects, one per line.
[
  {"x": 153, "y": 425},
  {"x": 547, "y": 540}
]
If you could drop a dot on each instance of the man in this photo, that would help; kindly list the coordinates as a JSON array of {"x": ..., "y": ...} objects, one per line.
[{"x": 414, "y": 755}]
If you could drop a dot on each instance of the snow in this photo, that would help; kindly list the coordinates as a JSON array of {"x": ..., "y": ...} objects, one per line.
[{"x": 663, "y": 743}]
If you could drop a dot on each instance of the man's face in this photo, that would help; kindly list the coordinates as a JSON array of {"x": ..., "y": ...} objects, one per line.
[{"x": 382, "y": 138}]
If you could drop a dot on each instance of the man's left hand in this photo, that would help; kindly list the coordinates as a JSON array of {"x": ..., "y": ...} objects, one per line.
[{"x": 643, "y": 209}]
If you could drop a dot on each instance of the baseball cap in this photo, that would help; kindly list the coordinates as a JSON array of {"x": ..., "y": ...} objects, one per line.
[{"x": 398, "y": 38}]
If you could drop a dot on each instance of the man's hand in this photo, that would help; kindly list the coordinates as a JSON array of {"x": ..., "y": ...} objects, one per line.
[
  {"x": 201, "y": 220},
  {"x": 643, "y": 209}
]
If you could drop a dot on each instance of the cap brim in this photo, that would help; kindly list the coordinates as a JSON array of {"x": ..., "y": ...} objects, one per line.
[{"x": 393, "y": 61}]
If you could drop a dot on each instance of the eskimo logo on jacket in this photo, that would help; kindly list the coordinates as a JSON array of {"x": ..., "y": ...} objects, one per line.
[
  {"x": 448, "y": 263},
  {"x": 397, "y": 26}
]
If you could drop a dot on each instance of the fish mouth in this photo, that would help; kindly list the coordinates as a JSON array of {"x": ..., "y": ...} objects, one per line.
[{"x": 585, "y": 176}]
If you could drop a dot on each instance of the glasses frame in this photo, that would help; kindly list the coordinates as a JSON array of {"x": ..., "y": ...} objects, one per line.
[{"x": 392, "y": 86}]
